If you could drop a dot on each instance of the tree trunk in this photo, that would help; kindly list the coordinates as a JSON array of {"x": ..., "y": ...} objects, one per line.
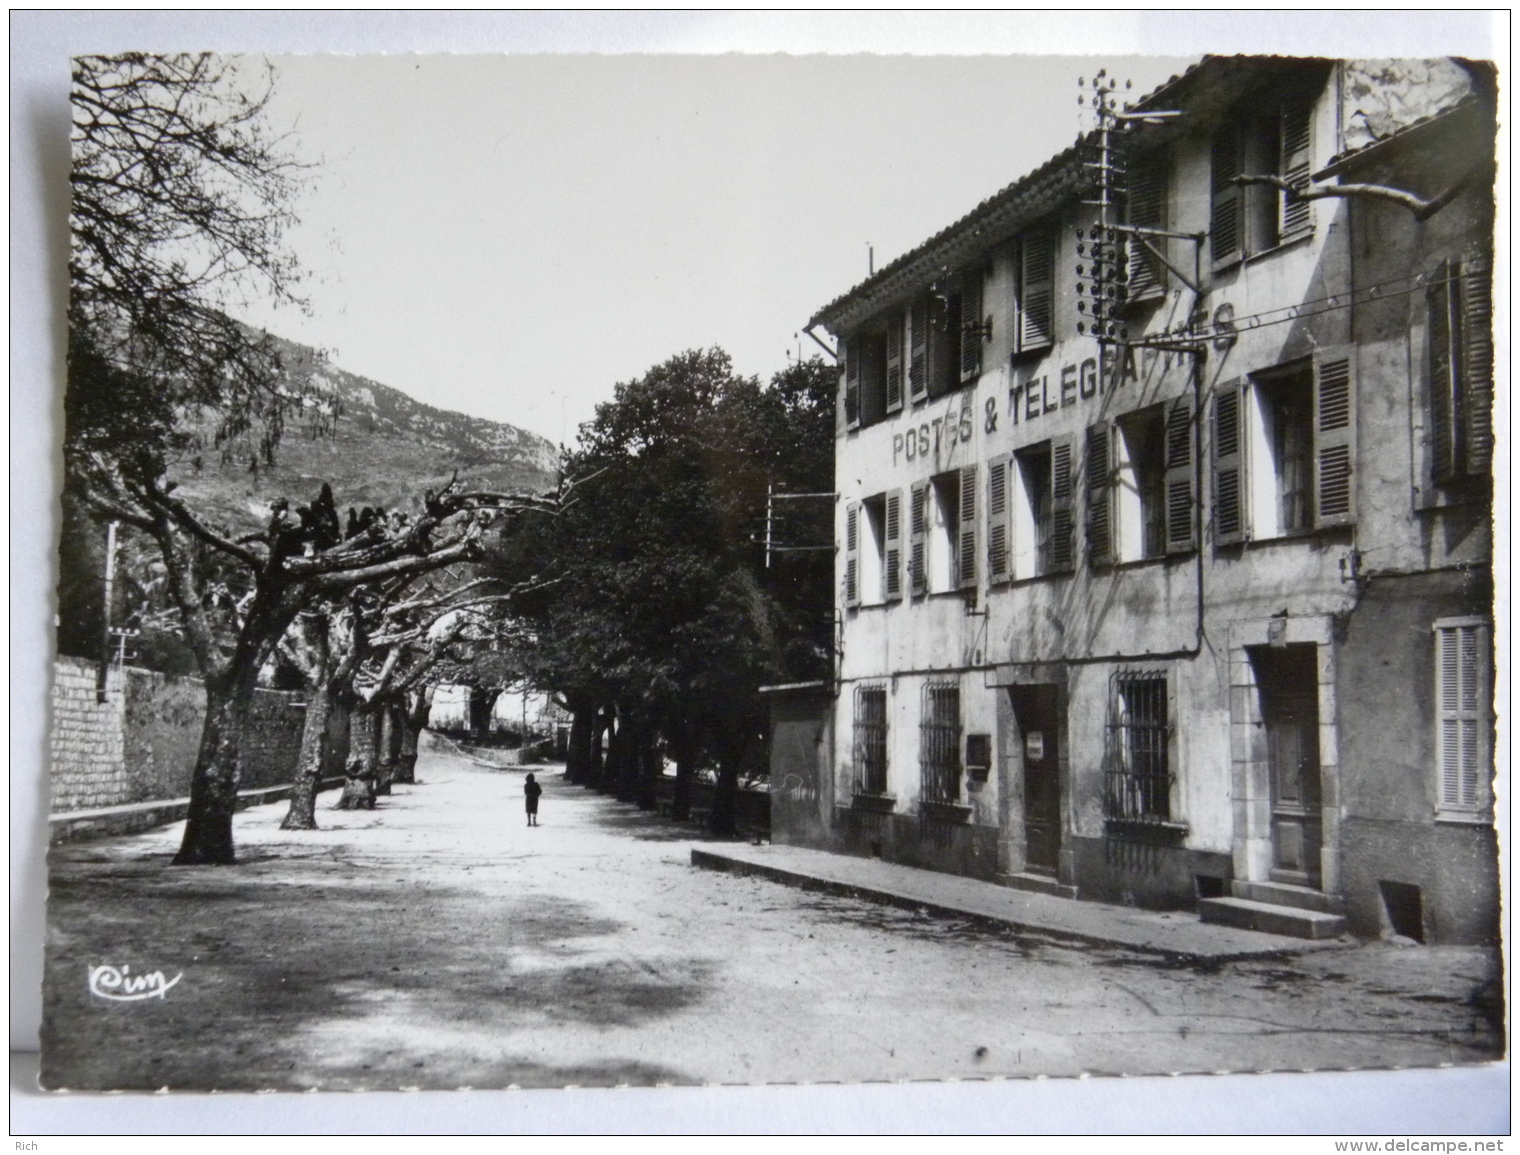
[
  {"x": 411, "y": 717},
  {"x": 617, "y": 741},
  {"x": 651, "y": 770},
  {"x": 726, "y": 799},
  {"x": 302, "y": 814},
  {"x": 597, "y": 755},
  {"x": 725, "y": 811},
  {"x": 388, "y": 743},
  {"x": 631, "y": 762},
  {"x": 214, "y": 783},
  {"x": 686, "y": 767},
  {"x": 578, "y": 753},
  {"x": 482, "y": 703},
  {"x": 361, "y": 740}
]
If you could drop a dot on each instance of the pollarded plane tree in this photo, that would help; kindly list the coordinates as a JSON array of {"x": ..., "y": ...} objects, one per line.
[
  {"x": 298, "y": 560},
  {"x": 442, "y": 619}
]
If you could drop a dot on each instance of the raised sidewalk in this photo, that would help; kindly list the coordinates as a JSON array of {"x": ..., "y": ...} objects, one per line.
[
  {"x": 1174, "y": 934},
  {"x": 133, "y": 817}
]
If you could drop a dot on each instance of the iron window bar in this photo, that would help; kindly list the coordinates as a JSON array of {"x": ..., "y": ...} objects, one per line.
[
  {"x": 870, "y": 740},
  {"x": 1138, "y": 780},
  {"x": 940, "y": 742}
]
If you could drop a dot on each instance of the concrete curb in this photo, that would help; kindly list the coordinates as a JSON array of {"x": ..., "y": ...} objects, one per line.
[
  {"x": 135, "y": 817},
  {"x": 716, "y": 860}
]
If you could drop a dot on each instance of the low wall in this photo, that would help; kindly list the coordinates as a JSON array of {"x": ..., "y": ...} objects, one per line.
[{"x": 139, "y": 745}]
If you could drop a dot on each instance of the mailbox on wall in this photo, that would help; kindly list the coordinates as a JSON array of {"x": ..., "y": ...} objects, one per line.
[{"x": 978, "y": 755}]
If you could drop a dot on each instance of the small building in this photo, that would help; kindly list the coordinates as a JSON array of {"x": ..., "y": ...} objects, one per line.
[{"x": 1164, "y": 542}]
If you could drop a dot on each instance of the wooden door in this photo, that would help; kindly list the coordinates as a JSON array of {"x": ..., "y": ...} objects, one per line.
[
  {"x": 1036, "y": 708},
  {"x": 1290, "y": 713}
]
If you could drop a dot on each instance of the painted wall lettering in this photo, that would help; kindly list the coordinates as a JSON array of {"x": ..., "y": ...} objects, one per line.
[{"x": 939, "y": 435}]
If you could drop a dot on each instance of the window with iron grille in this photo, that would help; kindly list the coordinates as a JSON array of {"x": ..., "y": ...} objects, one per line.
[
  {"x": 870, "y": 740},
  {"x": 1139, "y": 779},
  {"x": 940, "y": 742}
]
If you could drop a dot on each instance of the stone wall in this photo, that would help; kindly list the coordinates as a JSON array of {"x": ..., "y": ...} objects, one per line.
[{"x": 139, "y": 745}]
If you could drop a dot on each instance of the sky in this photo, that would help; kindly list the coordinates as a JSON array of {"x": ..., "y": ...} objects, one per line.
[{"x": 511, "y": 236}]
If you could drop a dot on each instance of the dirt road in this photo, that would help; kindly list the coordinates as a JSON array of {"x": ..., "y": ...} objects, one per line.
[{"x": 439, "y": 942}]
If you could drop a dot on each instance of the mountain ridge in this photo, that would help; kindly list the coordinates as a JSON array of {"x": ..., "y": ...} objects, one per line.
[{"x": 373, "y": 443}]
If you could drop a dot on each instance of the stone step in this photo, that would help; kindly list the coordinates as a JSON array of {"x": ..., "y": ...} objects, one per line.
[
  {"x": 1291, "y": 921},
  {"x": 1038, "y": 884},
  {"x": 1286, "y": 894}
]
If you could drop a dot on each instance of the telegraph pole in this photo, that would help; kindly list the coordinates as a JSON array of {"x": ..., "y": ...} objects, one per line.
[{"x": 105, "y": 614}]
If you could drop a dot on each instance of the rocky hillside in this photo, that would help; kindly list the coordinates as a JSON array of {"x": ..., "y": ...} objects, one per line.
[{"x": 383, "y": 448}]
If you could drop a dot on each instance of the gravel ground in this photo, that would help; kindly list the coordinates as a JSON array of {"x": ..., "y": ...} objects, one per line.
[{"x": 438, "y": 943}]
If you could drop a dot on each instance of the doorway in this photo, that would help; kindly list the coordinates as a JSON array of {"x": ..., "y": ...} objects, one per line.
[
  {"x": 1288, "y": 681},
  {"x": 1037, "y": 710}
]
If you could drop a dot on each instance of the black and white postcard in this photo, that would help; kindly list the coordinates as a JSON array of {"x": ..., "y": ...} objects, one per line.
[{"x": 660, "y": 570}]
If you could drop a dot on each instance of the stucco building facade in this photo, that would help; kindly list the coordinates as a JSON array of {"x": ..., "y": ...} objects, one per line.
[{"x": 1163, "y": 520}]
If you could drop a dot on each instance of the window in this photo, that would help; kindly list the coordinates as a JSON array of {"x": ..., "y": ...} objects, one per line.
[
  {"x": 1145, "y": 207},
  {"x": 942, "y": 533},
  {"x": 870, "y": 740},
  {"x": 953, "y": 330},
  {"x": 1040, "y": 485},
  {"x": 873, "y": 550},
  {"x": 943, "y": 342},
  {"x": 1250, "y": 219},
  {"x": 1462, "y": 709},
  {"x": 1461, "y": 371},
  {"x": 940, "y": 742},
  {"x": 1139, "y": 780},
  {"x": 944, "y": 349},
  {"x": 1034, "y": 291},
  {"x": 1285, "y": 450},
  {"x": 1140, "y": 484},
  {"x": 865, "y": 379},
  {"x": 1285, "y": 428}
]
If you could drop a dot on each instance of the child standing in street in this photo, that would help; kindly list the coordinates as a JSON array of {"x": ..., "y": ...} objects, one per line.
[{"x": 531, "y": 791}]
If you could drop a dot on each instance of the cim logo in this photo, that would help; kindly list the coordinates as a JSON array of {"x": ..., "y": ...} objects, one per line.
[{"x": 121, "y": 986}]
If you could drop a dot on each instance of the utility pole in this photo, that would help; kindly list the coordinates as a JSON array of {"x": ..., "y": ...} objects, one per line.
[{"x": 105, "y": 614}]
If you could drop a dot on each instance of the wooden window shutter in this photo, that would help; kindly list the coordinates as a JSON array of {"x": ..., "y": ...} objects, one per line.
[
  {"x": 891, "y": 578},
  {"x": 852, "y": 554},
  {"x": 1062, "y": 521},
  {"x": 965, "y": 554},
  {"x": 918, "y": 539},
  {"x": 852, "y": 351},
  {"x": 999, "y": 558},
  {"x": 1446, "y": 433},
  {"x": 1181, "y": 518},
  {"x": 1294, "y": 137},
  {"x": 1227, "y": 215},
  {"x": 894, "y": 363},
  {"x": 1335, "y": 436},
  {"x": 1147, "y": 209},
  {"x": 1036, "y": 327},
  {"x": 1100, "y": 491},
  {"x": 918, "y": 350},
  {"x": 1230, "y": 482},
  {"x": 944, "y": 344},
  {"x": 971, "y": 326},
  {"x": 1462, "y": 701},
  {"x": 1477, "y": 355}
]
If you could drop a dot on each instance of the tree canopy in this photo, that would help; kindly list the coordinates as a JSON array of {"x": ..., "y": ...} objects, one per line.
[
  {"x": 661, "y": 604},
  {"x": 181, "y": 201}
]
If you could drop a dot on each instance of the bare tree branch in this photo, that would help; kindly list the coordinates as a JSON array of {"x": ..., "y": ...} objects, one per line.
[{"x": 1422, "y": 208}]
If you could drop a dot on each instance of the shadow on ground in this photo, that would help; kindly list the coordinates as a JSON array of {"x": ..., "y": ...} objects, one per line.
[{"x": 291, "y": 942}]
